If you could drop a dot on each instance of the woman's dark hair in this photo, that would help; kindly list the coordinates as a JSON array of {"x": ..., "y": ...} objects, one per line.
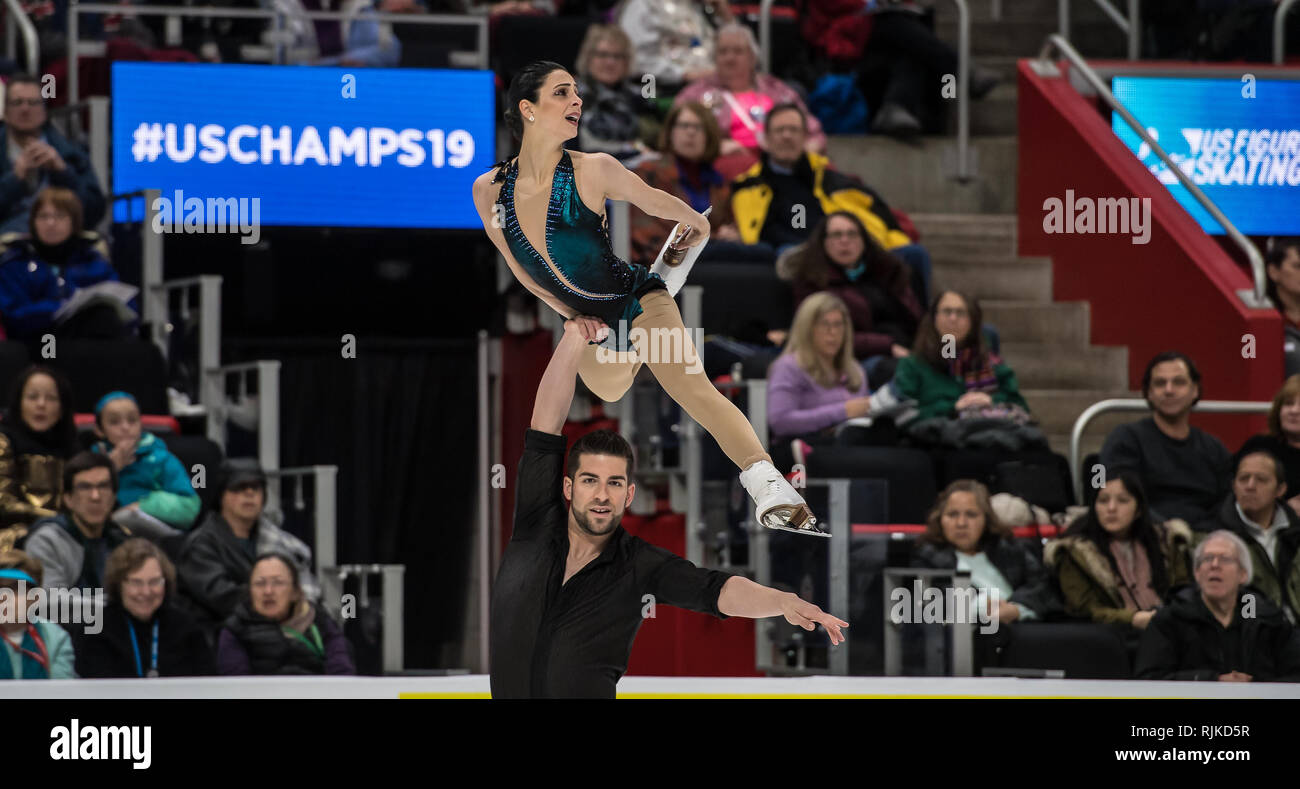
[
  {"x": 526, "y": 86},
  {"x": 284, "y": 558},
  {"x": 813, "y": 266},
  {"x": 600, "y": 442},
  {"x": 929, "y": 344},
  {"x": 712, "y": 134},
  {"x": 1275, "y": 253},
  {"x": 131, "y": 556},
  {"x": 64, "y": 430},
  {"x": 1171, "y": 356},
  {"x": 1143, "y": 530},
  {"x": 994, "y": 528},
  {"x": 63, "y": 199}
]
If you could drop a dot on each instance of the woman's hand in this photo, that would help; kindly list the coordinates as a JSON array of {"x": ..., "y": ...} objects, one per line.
[
  {"x": 858, "y": 406},
  {"x": 1142, "y": 618},
  {"x": 699, "y": 232},
  {"x": 588, "y": 328},
  {"x": 1007, "y": 612},
  {"x": 899, "y": 351},
  {"x": 973, "y": 400}
]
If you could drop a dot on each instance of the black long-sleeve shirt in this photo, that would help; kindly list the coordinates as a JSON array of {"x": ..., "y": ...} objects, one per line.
[
  {"x": 552, "y": 639},
  {"x": 1184, "y": 478}
]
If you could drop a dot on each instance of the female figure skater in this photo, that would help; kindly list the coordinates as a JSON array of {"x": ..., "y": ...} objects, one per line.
[{"x": 544, "y": 211}]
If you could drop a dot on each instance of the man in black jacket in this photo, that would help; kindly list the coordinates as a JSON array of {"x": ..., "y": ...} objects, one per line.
[
  {"x": 1257, "y": 512},
  {"x": 573, "y": 587},
  {"x": 1220, "y": 629},
  {"x": 33, "y": 155}
]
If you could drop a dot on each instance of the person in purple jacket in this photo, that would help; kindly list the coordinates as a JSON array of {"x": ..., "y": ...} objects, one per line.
[
  {"x": 278, "y": 631},
  {"x": 817, "y": 385}
]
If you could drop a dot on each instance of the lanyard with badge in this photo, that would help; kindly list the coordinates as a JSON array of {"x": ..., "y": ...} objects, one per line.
[
  {"x": 317, "y": 648},
  {"x": 43, "y": 658},
  {"x": 153, "y": 656}
]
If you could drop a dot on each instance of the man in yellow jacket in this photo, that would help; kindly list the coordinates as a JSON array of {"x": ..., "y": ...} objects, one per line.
[{"x": 780, "y": 199}]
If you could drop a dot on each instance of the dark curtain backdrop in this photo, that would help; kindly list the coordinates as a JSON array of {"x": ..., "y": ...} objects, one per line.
[{"x": 400, "y": 422}]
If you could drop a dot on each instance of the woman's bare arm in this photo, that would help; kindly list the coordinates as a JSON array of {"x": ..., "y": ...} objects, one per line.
[
  {"x": 484, "y": 192},
  {"x": 604, "y": 172}
]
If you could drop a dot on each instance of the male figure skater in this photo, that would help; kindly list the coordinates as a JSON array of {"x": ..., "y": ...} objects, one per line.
[{"x": 572, "y": 585}]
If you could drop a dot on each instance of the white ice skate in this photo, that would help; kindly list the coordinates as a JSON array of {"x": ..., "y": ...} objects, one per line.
[
  {"x": 779, "y": 506},
  {"x": 673, "y": 265}
]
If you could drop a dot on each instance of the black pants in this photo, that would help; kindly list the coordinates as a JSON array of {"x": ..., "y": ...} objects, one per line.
[{"x": 915, "y": 60}]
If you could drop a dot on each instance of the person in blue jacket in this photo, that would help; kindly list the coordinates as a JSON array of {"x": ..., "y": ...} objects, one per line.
[
  {"x": 151, "y": 480},
  {"x": 38, "y": 273}
]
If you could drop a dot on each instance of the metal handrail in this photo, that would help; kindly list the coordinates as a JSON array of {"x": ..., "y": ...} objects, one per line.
[
  {"x": 25, "y": 26},
  {"x": 963, "y": 75},
  {"x": 1131, "y": 27},
  {"x": 1136, "y": 404},
  {"x": 75, "y": 9},
  {"x": 1279, "y": 30},
  {"x": 1256, "y": 299}
]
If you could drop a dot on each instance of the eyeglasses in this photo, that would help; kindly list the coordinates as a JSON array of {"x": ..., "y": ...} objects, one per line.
[
  {"x": 140, "y": 584},
  {"x": 20, "y": 102},
  {"x": 836, "y": 234},
  {"x": 689, "y": 126},
  {"x": 953, "y": 312},
  {"x": 1216, "y": 558},
  {"x": 86, "y": 487},
  {"x": 270, "y": 583}
]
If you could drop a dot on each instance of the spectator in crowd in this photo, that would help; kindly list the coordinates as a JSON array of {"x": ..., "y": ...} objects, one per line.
[
  {"x": 277, "y": 630},
  {"x": 842, "y": 258},
  {"x": 777, "y": 201},
  {"x": 35, "y": 648},
  {"x": 143, "y": 633},
  {"x": 41, "y": 272},
  {"x": 36, "y": 155},
  {"x": 216, "y": 557},
  {"x": 904, "y": 59},
  {"x": 673, "y": 41},
  {"x": 360, "y": 40},
  {"x": 1282, "y": 264},
  {"x": 1115, "y": 564},
  {"x": 1184, "y": 469},
  {"x": 73, "y": 546},
  {"x": 37, "y": 435},
  {"x": 152, "y": 481},
  {"x": 741, "y": 99},
  {"x": 1268, "y": 526},
  {"x": 813, "y": 388},
  {"x": 1218, "y": 629},
  {"x": 689, "y": 143},
  {"x": 1283, "y": 437},
  {"x": 963, "y": 532},
  {"x": 614, "y": 110}
]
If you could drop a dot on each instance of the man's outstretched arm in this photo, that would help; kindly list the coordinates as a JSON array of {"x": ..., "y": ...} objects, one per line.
[
  {"x": 555, "y": 392},
  {"x": 742, "y": 597}
]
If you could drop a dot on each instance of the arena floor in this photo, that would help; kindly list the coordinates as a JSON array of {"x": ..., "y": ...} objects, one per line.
[{"x": 476, "y": 686}]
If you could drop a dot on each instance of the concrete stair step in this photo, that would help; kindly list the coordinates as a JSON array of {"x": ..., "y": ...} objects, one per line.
[
  {"x": 992, "y": 116},
  {"x": 1064, "y": 323},
  {"x": 1005, "y": 279},
  {"x": 919, "y": 177},
  {"x": 1046, "y": 366},
  {"x": 1057, "y": 409},
  {"x": 965, "y": 226},
  {"x": 1060, "y": 443},
  {"x": 1025, "y": 37}
]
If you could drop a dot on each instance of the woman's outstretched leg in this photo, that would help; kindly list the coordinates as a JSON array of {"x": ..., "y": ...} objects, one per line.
[
  {"x": 664, "y": 344},
  {"x": 607, "y": 375}
]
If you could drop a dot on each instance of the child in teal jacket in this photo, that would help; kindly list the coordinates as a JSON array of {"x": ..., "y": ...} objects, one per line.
[{"x": 150, "y": 478}]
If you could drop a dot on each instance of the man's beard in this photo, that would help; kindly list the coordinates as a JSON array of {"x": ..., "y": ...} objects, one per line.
[{"x": 581, "y": 519}]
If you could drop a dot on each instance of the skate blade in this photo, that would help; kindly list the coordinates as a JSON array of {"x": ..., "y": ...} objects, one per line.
[{"x": 798, "y": 520}]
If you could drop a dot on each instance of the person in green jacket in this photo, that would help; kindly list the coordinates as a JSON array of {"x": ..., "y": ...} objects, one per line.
[
  {"x": 151, "y": 480},
  {"x": 950, "y": 369}
]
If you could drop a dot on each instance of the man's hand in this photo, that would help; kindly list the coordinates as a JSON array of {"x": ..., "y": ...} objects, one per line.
[
  {"x": 808, "y": 616},
  {"x": 1235, "y": 676},
  {"x": 588, "y": 328},
  {"x": 1142, "y": 618},
  {"x": 25, "y": 163},
  {"x": 973, "y": 400},
  {"x": 1007, "y": 612},
  {"x": 45, "y": 157}
]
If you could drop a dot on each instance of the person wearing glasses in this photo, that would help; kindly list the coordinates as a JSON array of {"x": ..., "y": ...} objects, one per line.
[
  {"x": 143, "y": 634},
  {"x": 277, "y": 630},
  {"x": 34, "y": 155},
  {"x": 614, "y": 108},
  {"x": 216, "y": 558},
  {"x": 1221, "y": 629},
  {"x": 74, "y": 545}
]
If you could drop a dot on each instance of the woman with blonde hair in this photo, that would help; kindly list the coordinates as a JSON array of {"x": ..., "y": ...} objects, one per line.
[{"x": 815, "y": 388}]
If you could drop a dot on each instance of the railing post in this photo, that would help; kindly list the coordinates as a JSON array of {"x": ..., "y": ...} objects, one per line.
[
  {"x": 1134, "y": 30},
  {"x": 484, "y": 504},
  {"x": 268, "y": 424},
  {"x": 74, "y": 80},
  {"x": 1279, "y": 31},
  {"x": 151, "y": 274},
  {"x": 326, "y": 494}
]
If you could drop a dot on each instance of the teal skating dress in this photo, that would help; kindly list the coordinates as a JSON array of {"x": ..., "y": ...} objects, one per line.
[{"x": 587, "y": 275}]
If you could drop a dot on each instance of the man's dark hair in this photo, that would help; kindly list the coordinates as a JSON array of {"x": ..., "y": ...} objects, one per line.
[
  {"x": 1170, "y": 356},
  {"x": 85, "y": 461},
  {"x": 784, "y": 107},
  {"x": 600, "y": 442},
  {"x": 526, "y": 85},
  {"x": 1274, "y": 253},
  {"x": 1260, "y": 445},
  {"x": 23, "y": 79}
]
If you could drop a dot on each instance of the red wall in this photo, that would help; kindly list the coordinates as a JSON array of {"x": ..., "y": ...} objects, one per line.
[{"x": 1177, "y": 292}]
